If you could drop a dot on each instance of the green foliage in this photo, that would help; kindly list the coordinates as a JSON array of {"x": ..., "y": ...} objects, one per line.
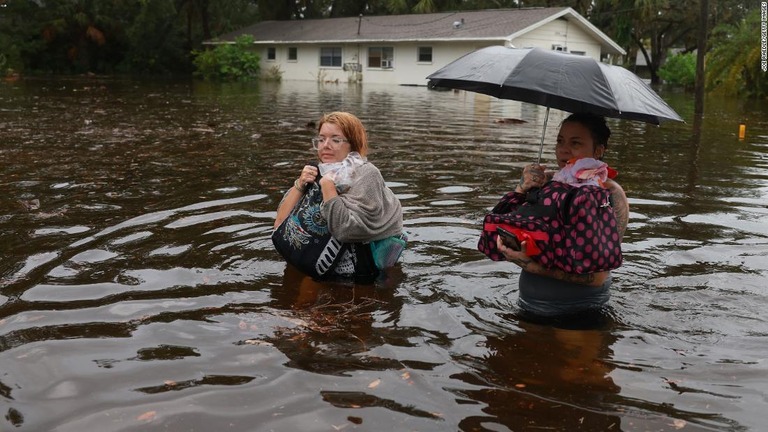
[
  {"x": 15, "y": 36},
  {"x": 158, "y": 36},
  {"x": 733, "y": 64},
  {"x": 680, "y": 70},
  {"x": 136, "y": 36},
  {"x": 10, "y": 58},
  {"x": 156, "y": 44},
  {"x": 228, "y": 62},
  {"x": 660, "y": 25},
  {"x": 425, "y": 6}
]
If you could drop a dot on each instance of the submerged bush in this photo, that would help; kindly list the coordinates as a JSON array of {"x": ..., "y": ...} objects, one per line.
[
  {"x": 228, "y": 62},
  {"x": 679, "y": 70}
]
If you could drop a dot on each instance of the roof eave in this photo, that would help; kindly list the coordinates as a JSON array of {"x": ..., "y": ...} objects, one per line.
[
  {"x": 606, "y": 42},
  {"x": 349, "y": 41},
  {"x": 607, "y": 45}
]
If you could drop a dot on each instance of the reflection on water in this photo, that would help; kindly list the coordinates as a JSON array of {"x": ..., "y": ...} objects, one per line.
[
  {"x": 139, "y": 289},
  {"x": 535, "y": 369}
]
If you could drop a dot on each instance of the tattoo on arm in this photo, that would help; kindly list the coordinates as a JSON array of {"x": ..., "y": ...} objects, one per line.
[
  {"x": 522, "y": 262},
  {"x": 623, "y": 219},
  {"x": 620, "y": 207}
]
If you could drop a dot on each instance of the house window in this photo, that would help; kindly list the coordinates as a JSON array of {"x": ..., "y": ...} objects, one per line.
[
  {"x": 380, "y": 57},
  {"x": 558, "y": 47},
  {"x": 425, "y": 55},
  {"x": 293, "y": 53},
  {"x": 581, "y": 53},
  {"x": 271, "y": 53},
  {"x": 330, "y": 56}
]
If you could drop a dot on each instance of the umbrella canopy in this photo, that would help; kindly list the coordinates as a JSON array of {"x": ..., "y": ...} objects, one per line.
[{"x": 554, "y": 79}]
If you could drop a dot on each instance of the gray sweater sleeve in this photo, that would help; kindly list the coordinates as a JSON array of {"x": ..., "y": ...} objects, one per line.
[{"x": 368, "y": 211}]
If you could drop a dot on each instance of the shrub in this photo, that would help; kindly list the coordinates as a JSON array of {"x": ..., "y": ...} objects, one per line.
[
  {"x": 228, "y": 62},
  {"x": 273, "y": 74},
  {"x": 679, "y": 70}
]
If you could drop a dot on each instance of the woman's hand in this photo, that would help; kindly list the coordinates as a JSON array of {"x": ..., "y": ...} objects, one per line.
[
  {"x": 328, "y": 181},
  {"x": 533, "y": 176},
  {"x": 526, "y": 263},
  {"x": 328, "y": 186},
  {"x": 307, "y": 176},
  {"x": 516, "y": 256},
  {"x": 294, "y": 194}
]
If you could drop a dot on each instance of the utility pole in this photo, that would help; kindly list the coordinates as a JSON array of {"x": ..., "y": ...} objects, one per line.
[{"x": 701, "y": 50}]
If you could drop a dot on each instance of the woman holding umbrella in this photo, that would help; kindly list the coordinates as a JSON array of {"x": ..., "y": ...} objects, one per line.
[
  {"x": 551, "y": 291},
  {"x": 572, "y": 83}
]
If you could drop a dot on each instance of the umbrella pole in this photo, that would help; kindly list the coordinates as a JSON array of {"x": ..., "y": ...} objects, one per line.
[{"x": 544, "y": 132}]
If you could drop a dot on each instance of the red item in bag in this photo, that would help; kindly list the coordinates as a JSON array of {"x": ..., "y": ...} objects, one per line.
[{"x": 573, "y": 228}]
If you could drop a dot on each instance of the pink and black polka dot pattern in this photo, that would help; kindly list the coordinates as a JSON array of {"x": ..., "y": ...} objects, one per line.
[{"x": 574, "y": 227}]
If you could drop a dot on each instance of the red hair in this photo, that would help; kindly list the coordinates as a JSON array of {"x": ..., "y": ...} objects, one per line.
[{"x": 351, "y": 127}]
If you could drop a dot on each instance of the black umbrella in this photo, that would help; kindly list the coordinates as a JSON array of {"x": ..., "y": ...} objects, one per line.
[{"x": 554, "y": 79}]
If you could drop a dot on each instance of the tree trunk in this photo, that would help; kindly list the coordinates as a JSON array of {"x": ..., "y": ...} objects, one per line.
[
  {"x": 701, "y": 51},
  {"x": 205, "y": 19}
]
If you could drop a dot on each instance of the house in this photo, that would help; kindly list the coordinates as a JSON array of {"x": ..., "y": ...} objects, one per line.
[{"x": 404, "y": 49}]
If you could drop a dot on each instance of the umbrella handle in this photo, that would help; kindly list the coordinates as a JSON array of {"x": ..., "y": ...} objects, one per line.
[{"x": 544, "y": 132}]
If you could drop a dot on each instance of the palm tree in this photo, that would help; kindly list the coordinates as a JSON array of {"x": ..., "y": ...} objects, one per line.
[{"x": 734, "y": 63}]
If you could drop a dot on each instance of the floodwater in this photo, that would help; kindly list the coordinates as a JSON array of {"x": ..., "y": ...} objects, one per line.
[{"x": 139, "y": 289}]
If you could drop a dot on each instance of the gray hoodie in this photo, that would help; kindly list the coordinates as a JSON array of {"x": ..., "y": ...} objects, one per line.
[{"x": 368, "y": 211}]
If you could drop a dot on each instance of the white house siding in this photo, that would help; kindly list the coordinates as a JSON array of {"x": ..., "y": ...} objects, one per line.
[
  {"x": 444, "y": 53},
  {"x": 450, "y": 35},
  {"x": 305, "y": 67},
  {"x": 405, "y": 69},
  {"x": 563, "y": 33},
  {"x": 412, "y": 73}
]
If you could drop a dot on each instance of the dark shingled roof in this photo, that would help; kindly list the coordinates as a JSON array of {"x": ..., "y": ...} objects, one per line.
[{"x": 485, "y": 24}]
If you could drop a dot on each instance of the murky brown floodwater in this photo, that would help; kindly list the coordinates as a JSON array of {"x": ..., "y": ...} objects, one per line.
[{"x": 139, "y": 289}]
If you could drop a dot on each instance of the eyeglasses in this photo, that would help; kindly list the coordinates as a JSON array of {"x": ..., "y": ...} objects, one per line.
[{"x": 335, "y": 141}]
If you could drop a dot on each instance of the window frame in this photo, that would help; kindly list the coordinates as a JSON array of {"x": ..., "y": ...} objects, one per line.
[
  {"x": 386, "y": 54},
  {"x": 419, "y": 54},
  {"x": 333, "y": 57}
]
